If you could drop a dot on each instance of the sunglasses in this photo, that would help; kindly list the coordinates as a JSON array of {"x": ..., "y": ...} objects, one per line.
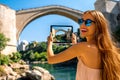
[{"x": 88, "y": 22}]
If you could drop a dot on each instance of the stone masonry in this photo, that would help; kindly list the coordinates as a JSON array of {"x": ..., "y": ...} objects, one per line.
[
  {"x": 111, "y": 10},
  {"x": 8, "y": 27}
]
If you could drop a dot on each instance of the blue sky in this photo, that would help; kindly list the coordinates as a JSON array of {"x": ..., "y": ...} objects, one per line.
[{"x": 39, "y": 29}]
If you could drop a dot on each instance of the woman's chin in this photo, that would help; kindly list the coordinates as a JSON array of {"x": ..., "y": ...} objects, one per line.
[{"x": 82, "y": 36}]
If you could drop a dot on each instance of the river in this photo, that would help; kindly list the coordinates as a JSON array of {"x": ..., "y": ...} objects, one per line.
[{"x": 60, "y": 72}]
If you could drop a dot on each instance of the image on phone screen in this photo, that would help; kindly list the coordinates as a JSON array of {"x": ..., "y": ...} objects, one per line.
[{"x": 61, "y": 33}]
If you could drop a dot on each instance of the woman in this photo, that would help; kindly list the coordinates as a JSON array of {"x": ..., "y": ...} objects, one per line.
[{"x": 98, "y": 58}]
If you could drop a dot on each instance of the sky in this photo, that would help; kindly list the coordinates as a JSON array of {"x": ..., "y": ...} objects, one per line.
[{"x": 39, "y": 29}]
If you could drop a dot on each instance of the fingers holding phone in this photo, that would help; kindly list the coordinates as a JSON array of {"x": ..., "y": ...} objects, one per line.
[
  {"x": 74, "y": 38},
  {"x": 50, "y": 38}
]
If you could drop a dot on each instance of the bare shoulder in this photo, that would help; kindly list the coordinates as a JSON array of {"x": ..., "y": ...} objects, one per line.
[
  {"x": 84, "y": 47},
  {"x": 79, "y": 48},
  {"x": 90, "y": 55},
  {"x": 81, "y": 45}
]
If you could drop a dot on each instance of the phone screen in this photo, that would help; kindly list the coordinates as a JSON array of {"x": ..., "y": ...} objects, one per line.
[{"x": 61, "y": 33}]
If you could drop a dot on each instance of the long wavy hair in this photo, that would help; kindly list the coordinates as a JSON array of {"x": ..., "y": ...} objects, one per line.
[{"x": 110, "y": 59}]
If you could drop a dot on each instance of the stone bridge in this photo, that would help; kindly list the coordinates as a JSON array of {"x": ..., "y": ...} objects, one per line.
[{"x": 24, "y": 17}]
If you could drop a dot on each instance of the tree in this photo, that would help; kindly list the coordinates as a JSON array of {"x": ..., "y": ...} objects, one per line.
[
  {"x": 43, "y": 46},
  {"x": 3, "y": 41}
]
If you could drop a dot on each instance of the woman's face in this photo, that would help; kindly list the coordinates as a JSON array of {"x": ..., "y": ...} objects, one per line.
[{"x": 87, "y": 26}]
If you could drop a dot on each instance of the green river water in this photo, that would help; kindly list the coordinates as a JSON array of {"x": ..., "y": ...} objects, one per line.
[{"x": 60, "y": 72}]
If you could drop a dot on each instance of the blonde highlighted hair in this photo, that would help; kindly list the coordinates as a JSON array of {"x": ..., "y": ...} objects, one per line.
[{"x": 109, "y": 53}]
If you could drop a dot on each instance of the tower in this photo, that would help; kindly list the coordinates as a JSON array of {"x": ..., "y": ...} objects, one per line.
[
  {"x": 111, "y": 10},
  {"x": 8, "y": 28}
]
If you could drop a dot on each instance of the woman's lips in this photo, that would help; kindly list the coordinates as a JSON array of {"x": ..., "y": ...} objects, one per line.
[{"x": 83, "y": 30}]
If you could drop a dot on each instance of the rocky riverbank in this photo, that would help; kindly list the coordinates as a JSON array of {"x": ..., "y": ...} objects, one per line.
[{"x": 17, "y": 71}]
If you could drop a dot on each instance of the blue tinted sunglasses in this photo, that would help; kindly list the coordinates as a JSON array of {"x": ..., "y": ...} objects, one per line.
[{"x": 88, "y": 22}]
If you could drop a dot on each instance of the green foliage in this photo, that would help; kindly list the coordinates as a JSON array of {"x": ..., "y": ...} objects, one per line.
[
  {"x": 60, "y": 48},
  {"x": 61, "y": 38},
  {"x": 39, "y": 56},
  {"x": 16, "y": 56},
  {"x": 54, "y": 47},
  {"x": 32, "y": 57},
  {"x": 4, "y": 59},
  {"x": 36, "y": 56},
  {"x": 36, "y": 47},
  {"x": 35, "y": 53},
  {"x": 33, "y": 44},
  {"x": 3, "y": 41},
  {"x": 27, "y": 55},
  {"x": 39, "y": 53},
  {"x": 43, "y": 46},
  {"x": 58, "y": 37},
  {"x": 43, "y": 55}
]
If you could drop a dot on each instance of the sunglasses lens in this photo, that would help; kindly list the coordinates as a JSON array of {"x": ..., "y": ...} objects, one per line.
[
  {"x": 80, "y": 21},
  {"x": 88, "y": 22}
]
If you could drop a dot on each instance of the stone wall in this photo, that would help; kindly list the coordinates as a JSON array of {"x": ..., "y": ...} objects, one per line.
[
  {"x": 8, "y": 27},
  {"x": 111, "y": 9}
]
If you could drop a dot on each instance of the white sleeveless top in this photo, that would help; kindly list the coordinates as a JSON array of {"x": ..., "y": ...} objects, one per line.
[{"x": 86, "y": 73}]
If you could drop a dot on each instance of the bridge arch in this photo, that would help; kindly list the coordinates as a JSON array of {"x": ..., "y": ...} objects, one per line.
[{"x": 24, "y": 17}]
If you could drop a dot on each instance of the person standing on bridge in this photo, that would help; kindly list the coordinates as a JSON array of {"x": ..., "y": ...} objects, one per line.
[{"x": 98, "y": 57}]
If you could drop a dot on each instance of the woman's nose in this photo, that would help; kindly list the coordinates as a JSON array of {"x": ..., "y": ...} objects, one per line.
[{"x": 82, "y": 25}]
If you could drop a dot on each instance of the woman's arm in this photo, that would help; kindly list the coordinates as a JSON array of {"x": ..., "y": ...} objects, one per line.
[{"x": 62, "y": 56}]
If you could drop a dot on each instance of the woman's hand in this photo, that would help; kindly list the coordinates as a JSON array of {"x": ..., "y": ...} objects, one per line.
[
  {"x": 50, "y": 39},
  {"x": 74, "y": 39}
]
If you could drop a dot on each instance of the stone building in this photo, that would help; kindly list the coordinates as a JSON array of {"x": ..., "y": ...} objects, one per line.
[
  {"x": 22, "y": 45},
  {"x": 111, "y": 10},
  {"x": 8, "y": 27}
]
